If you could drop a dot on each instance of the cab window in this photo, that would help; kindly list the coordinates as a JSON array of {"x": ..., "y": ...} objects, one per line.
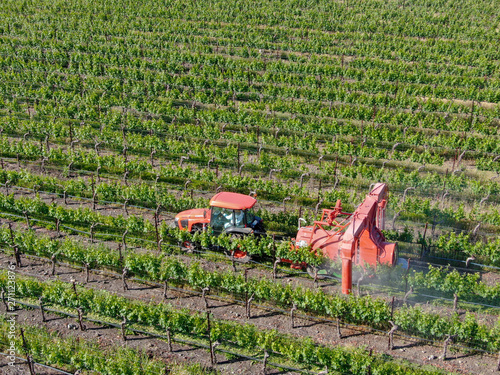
[
  {"x": 250, "y": 217},
  {"x": 239, "y": 218},
  {"x": 221, "y": 218}
]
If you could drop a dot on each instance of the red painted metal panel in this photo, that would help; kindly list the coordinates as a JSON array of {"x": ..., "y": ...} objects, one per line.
[{"x": 232, "y": 201}]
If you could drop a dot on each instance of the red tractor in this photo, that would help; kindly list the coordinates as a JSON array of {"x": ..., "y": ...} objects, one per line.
[
  {"x": 229, "y": 213},
  {"x": 353, "y": 238}
]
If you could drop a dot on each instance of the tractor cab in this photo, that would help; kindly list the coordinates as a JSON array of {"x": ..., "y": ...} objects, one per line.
[
  {"x": 225, "y": 219},
  {"x": 232, "y": 213},
  {"x": 228, "y": 213}
]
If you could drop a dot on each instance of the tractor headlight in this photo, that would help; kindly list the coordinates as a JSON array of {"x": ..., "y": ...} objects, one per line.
[{"x": 301, "y": 243}]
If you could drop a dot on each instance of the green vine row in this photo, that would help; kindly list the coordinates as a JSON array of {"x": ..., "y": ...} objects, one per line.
[
  {"x": 161, "y": 316},
  {"x": 356, "y": 310}
]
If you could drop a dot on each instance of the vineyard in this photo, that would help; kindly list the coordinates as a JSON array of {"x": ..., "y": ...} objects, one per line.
[{"x": 117, "y": 115}]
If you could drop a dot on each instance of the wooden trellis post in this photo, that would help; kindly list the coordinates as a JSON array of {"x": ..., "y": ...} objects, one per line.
[
  {"x": 124, "y": 240},
  {"x": 407, "y": 294},
  {"x": 73, "y": 283},
  {"x": 369, "y": 369},
  {"x": 26, "y": 215},
  {"x": 125, "y": 205},
  {"x": 455, "y": 301},
  {"x": 422, "y": 252},
  {"x": 275, "y": 266},
  {"x": 25, "y": 346},
  {"x": 209, "y": 333},
  {"x": 17, "y": 256},
  {"x": 233, "y": 264},
  {"x": 449, "y": 339},
  {"x": 31, "y": 364},
  {"x": 86, "y": 265},
  {"x": 53, "y": 261},
  {"x": 212, "y": 352},
  {"x": 122, "y": 327},
  {"x": 169, "y": 340},
  {"x": 248, "y": 306},
  {"x": 42, "y": 310},
  {"x": 11, "y": 234},
  {"x": 264, "y": 362},
  {"x": 165, "y": 289},
  {"x": 120, "y": 256},
  {"x": 83, "y": 327},
  {"x": 292, "y": 314},
  {"x": 394, "y": 328},
  {"x": 204, "y": 292},
  {"x": 125, "y": 176},
  {"x": 124, "y": 278},
  {"x": 92, "y": 226}
]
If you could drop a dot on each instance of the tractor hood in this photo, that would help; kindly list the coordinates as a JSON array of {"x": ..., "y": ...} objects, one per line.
[
  {"x": 198, "y": 217},
  {"x": 194, "y": 214}
]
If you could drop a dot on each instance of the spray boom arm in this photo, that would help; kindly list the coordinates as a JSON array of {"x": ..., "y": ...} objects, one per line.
[{"x": 369, "y": 215}]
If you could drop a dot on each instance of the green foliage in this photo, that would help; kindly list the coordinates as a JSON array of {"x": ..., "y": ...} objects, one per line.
[
  {"x": 160, "y": 316},
  {"x": 397, "y": 236},
  {"x": 75, "y": 354},
  {"x": 467, "y": 286},
  {"x": 487, "y": 252}
]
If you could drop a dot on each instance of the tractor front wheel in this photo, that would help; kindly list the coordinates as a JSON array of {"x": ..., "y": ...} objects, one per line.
[
  {"x": 190, "y": 246},
  {"x": 238, "y": 254},
  {"x": 241, "y": 256}
]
